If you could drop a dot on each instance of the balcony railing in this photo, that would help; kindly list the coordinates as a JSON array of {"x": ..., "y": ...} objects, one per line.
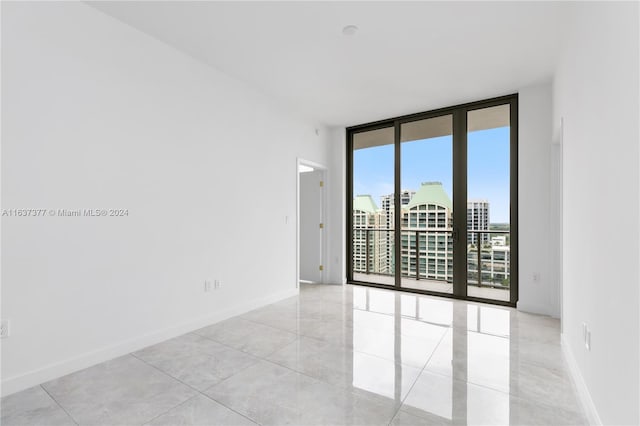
[
  {"x": 383, "y": 238},
  {"x": 374, "y": 253},
  {"x": 497, "y": 274}
]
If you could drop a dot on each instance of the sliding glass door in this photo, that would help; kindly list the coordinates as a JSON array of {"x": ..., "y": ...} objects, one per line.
[
  {"x": 373, "y": 237},
  {"x": 432, "y": 202},
  {"x": 426, "y": 225},
  {"x": 488, "y": 193}
]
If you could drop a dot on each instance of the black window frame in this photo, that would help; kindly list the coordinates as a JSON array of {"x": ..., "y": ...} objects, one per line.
[{"x": 459, "y": 114}]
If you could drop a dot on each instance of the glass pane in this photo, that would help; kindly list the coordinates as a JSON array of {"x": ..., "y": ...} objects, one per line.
[
  {"x": 373, "y": 206},
  {"x": 488, "y": 203},
  {"x": 427, "y": 208}
]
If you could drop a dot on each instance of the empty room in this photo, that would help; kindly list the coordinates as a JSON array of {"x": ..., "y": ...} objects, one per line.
[{"x": 320, "y": 213}]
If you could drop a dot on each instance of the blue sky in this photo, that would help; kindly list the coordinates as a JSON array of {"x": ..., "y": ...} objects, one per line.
[{"x": 431, "y": 160}]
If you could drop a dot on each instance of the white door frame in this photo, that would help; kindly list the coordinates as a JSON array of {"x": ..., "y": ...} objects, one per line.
[
  {"x": 323, "y": 215},
  {"x": 560, "y": 215},
  {"x": 556, "y": 224}
]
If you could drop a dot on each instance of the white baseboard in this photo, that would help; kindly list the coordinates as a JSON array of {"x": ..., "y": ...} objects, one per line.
[
  {"x": 532, "y": 309},
  {"x": 583, "y": 391},
  {"x": 53, "y": 371},
  {"x": 535, "y": 309}
]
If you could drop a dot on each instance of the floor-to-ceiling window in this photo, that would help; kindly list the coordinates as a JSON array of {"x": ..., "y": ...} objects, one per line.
[
  {"x": 373, "y": 236},
  {"x": 432, "y": 201}
]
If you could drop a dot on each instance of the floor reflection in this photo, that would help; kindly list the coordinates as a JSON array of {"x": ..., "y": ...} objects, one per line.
[
  {"x": 432, "y": 360},
  {"x": 468, "y": 359},
  {"x": 336, "y": 355}
]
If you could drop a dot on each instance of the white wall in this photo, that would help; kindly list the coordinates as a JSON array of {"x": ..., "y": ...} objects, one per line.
[
  {"x": 98, "y": 115},
  {"x": 596, "y": 95},
  {"x": 537, "y": 281},
  {"x": 336, "y": 214}
]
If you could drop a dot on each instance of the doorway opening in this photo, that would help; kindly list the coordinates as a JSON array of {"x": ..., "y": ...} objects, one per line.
[{"x": 311, "y": 244}]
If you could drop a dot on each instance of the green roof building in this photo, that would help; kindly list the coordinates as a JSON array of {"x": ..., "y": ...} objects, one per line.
[
  {"x": 365, "y": 204},
  {"x": 431, "y": 193},
  {"x": 369, "y": 242},
  {"x": 427, "y": 245}
]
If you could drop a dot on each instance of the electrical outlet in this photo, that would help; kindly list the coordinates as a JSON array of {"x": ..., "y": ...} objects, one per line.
[
  {"x": 536, "y": 277},
  {"x": 4, "y": 328},
  {"x": 216, "y": 284},
  {"x": 207, "y": 286}
]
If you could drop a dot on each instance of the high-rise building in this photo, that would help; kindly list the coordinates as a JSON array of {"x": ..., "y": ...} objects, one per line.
[
  {"x": 427, "y": 244},
  {"x": 388, "y": 209},
  {"x": 405, "y": 198},
  {"x": 369, "y": 237},
  {"x": 500, "y": 264},
  {"x": 426, "y": 237},
  {"x": 495, "y": 260},
  {"x": 477, "y": 220}
]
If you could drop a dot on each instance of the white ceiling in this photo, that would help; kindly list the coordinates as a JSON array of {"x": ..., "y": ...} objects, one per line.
[{"x": 406, "y": 57}]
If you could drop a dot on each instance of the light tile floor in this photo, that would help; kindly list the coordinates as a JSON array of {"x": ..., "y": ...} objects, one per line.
[{"x": 333, "y": 355}]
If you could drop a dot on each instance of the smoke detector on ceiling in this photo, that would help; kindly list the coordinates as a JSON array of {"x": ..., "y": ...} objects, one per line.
[{"x": 349, "y": 30}]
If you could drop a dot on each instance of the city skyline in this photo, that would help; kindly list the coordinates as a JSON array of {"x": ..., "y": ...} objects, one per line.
[
  {"x": 426, "y": 240},
  {"x": 488, "y": 168}
]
